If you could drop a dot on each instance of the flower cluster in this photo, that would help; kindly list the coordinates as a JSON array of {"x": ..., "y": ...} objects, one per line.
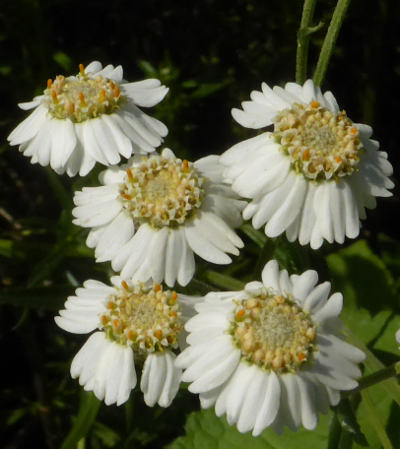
[{"x": 269, "y": 355}]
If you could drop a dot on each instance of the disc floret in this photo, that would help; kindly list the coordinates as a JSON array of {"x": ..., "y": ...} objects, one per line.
[
  {"x": 81, "y": 98},
  {"x": 162, "y": 192},
  {"x": 144, "y": 318},
  {"x": 273, "y": 332},
  {"x": 321, "y": 144}
]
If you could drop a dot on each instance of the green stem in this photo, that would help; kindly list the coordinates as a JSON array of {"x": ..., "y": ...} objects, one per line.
[
  {"x": 330, "y": 40},
  {"x": 377, "y": 377},
  {"x": 335, "y": 431},
  {"x": 223, "y": 281},
  {"x": 376, "y": 421},
  {"x": 303, "y": 40}
]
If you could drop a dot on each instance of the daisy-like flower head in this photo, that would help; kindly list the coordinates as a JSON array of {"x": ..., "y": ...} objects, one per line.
[
  {"x": 137, "y": 323},
  {"x": 270, "y": 355},
  {"x": 151, "y": 216},
  {"x": 88, "y": 118},
  {"x": 314, "y": 175},
  {"x": 398, "y": 336}
]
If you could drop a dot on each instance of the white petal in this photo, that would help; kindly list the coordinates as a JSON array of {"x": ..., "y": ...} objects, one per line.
[
  {"x": 115, "y": 235},
  {"x": 239, "y": 386},
  {"x": 157, "y": 254},
  {"x": 350, "y": 212},
  {"x": 337, "y": 211},
  {"x": 63, "y": 142},
  {"x": 172, "y": 381},
  {"x": 253, "y": 400},
  {"x": 27, "y": 129},
  {"x": 214, "y": 377},
  {"x": 210, "y": 167},
  {"x": 90, "y": 142},
  {"x": 316, "y": 299},
  {"x": 123, "y": 144},
  {"x": 132, "y": 253},
  {"x": 272, "y": 201},
  {"x": 93, "y": 67},
  {"x": 187, "y": 264},
  {"x": 146, "y": 95},
  {"x": 105, "y": 141},
  {"x": 332, "y": 308},
  {"x": 304, "y": 284},
  {"x": 309, "y": 416},
  {"x": 200, "y": 244},
  {"x": 154, "y": 373},
  {"x": 270, "y": 406},
  {"x": 270, "y": 275}
]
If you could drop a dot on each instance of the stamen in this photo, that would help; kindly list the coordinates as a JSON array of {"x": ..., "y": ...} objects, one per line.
[
  {"x": 81, "y": 98},
  {"x": 273, "y": 332},
  {"x": 145, "y": 318},
  {"x": 162, "y": 192},
  {"x": 320, "y": 144}
]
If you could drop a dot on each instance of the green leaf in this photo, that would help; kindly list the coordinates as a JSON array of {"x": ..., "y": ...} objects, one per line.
[
  {"x": 88, "y": 409},
  {"x": 371, "y": 416},
  {"x": 63, "y": 196},
  {"x": 369, "y": 300},
  {"x": 348, "y": 422},
  {"x": 6, "y": 247},
  {"x": 63, "y": 60},
  {"x": 107, "y": 436},
  {"x": 223, "y": 281},
  {"x": 207, "y": 89},
  {"x": 204, "y": 430},
  {"x": 147, "y": 68},
  {"x": 258, "y": 237}
]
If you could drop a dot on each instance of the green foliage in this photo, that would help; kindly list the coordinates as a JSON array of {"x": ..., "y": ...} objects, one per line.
[
  {"x": 204, "y": 430},
  {"x": 88, "y": 409},
  {"x": 211, "y": 55}
]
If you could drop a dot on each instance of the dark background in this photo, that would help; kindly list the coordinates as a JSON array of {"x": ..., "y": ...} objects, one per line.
[{"x": 211, "y": 54}]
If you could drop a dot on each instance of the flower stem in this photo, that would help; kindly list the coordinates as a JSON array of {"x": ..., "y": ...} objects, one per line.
[
  {"x": 330, "y": 40},
  {"x": 377, "y": 377},
  {"x": 303, "y": 40}
]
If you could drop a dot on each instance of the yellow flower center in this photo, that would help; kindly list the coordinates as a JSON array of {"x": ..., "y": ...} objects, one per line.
[
  {"x": 147, "y": 319},
  {"x": 273, "y": 332},
  {"x": 320, "y": 144},
  {"x": 162, "y": 191},
  {"x": 81, "y": 98}
]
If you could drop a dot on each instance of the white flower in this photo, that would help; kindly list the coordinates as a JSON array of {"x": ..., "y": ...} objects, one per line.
[
  {"x": 314, "y": 175},
  {"x": 136, "y": 322},
  {"x": 88, "y": 118},
  {"x": 150, "y": 216},
  {"x": 270, "y": 355},
  {"x": 398, "y": 336}
]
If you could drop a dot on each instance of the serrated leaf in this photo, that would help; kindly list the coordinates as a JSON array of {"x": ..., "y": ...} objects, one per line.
[
  {"x": 88, "y": 409},
  {"x": 204, "y": 430}
]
